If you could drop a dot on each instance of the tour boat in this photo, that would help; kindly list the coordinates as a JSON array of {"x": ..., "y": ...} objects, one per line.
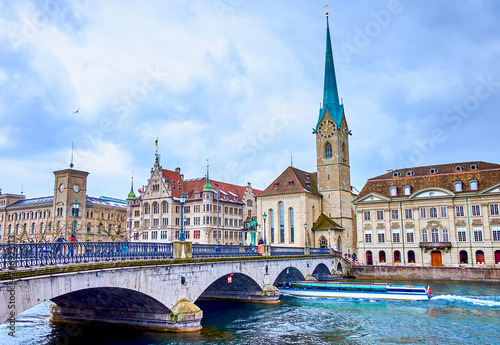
[{"x": 355, "y": 290}]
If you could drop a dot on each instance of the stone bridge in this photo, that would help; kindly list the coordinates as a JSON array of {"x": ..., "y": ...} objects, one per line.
[{"x": 158, "y": 296}]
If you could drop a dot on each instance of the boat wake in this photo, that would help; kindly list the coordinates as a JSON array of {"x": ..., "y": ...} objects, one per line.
[{"x": 476, "y": 301}]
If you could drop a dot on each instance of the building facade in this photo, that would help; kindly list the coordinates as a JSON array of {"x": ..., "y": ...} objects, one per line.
[
  {"x": 212, "y": 210},
  {"x": 444, "y": 215},
  {"x": 47, "y": 218},
  {"x": 316, "y": 208}
]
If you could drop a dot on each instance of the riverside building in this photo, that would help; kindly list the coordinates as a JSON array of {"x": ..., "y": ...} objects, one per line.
[
  {"x": 315, "y": 209},
  {"x": 212, "y": 210},
  {"x": 441, "y": 215},
  {"x": 45, "y": 219}
]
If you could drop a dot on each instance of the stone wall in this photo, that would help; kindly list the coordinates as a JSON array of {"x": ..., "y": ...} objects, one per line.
[{"x": 431, "y": 273}]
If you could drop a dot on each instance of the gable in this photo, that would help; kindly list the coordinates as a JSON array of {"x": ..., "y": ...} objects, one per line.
[
  {"x": 431, "y": 193},
  {"x": 372, "y": 197}
]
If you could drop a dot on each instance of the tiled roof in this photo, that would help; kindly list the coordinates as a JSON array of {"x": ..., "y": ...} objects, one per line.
[
  {"x": 292, "y": 180},
  {"x": 444, "y": 176},
  {"x": 173, "y": 179},
  {"x": 33, "y": 202},
  {"x": 193, "y": 186},
  {"x": 109, "y": 202}
]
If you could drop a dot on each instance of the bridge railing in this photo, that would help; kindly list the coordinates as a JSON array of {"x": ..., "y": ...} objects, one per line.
[
  {"x": 319, "y": 251},
  {"x": 277, "y": 251},
  {"x": 22, "y": 255},
  {"x": 217, "y": 250}
]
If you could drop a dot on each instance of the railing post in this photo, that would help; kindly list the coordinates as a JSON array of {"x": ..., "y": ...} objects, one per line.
[
  {"x": 306, "y": 250},
  {"x": 182, "y": 250},
  {"x": 266, "y": 250}
]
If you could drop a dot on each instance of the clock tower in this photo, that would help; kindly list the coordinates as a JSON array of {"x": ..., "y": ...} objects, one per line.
[
  {"x": 332, "y": 154},
  {"x": 69, "y": 185}
]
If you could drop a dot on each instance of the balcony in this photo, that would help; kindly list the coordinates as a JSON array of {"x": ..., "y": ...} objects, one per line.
[{"x": 435, "y": 246}]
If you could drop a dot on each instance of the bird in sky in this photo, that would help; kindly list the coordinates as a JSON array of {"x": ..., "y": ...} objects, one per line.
[{"x": 76, "y": 112}]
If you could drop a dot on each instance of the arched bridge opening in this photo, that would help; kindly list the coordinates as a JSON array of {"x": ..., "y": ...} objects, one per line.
[
  {"x": 321, "y": 272},
  {"x": 289, "y": 273},
  {"x": 110, "y": 304}
]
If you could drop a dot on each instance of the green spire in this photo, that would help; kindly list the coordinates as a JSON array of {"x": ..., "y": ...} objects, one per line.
[
  {"x": 207, "y": 187},
  {"x": 131, "y": 195},
  {"x": 330, "y": 92}
]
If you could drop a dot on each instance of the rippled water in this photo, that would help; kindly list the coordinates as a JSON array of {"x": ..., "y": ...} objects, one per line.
[{"x": 458, "y": 313}]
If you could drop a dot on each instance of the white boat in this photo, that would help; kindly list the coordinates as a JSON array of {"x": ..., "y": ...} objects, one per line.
[{"x": 355, "y": 290}]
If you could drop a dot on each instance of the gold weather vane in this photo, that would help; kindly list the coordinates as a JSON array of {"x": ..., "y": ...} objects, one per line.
[{"x": 326, "y": 6}]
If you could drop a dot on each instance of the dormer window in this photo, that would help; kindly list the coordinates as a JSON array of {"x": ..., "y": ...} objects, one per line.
[
  {"x": 457, "y": 186},
  {"x": 473, "y": 184},
  {"x": 290, "y": 183},
  {"x": 459, "y": 168},
  {"x": 407, "y": 190},
  {"x": 393, "y": 191},
  {"x": 410, "y": 173},
  {"x": 473, "y": 167},
  {"x": 433, "y": 170},
  {"x": 276, "y": 185},
  {"x": 396, "y": 174}
]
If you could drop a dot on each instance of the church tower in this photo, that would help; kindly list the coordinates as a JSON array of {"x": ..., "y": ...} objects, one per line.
[{"x": 332, "y": 153}]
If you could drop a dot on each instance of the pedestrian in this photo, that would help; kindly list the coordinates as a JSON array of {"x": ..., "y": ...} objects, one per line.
[
  {"x": 59, "y": 246},
  {"x": 72, "y": 245},
  {"x": 354, "y": 256},
  {"x": 261, "y": 241}
]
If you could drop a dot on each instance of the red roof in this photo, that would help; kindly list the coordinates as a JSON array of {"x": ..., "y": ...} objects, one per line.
[{"x": 174, "y": 181}]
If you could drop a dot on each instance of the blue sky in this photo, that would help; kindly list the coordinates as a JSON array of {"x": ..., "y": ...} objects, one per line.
[{"x": 240, "y": 82}]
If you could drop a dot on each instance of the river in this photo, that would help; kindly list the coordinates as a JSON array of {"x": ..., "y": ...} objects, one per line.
[{"x": 458, "y": 313}]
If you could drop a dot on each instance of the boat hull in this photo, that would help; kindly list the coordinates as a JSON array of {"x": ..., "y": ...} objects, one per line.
[{"x": 349, "y": 294}]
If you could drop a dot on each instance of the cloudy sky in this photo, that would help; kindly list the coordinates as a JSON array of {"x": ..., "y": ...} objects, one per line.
[{"x": 240, "y": 82}]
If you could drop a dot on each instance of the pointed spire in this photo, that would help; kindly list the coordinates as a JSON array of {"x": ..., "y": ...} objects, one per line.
[
  {"x": 330, "y": 93},
  {"x": 207, "y": 187},
  {"x": 131, "y": 195},
  {"x": 331, "y": 102}
]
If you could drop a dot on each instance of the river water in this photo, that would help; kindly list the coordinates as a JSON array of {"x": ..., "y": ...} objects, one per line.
[{"x": 458, "y": 313}]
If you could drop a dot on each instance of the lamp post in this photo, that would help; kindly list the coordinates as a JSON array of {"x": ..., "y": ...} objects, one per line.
[
  {"x": 264, "y": 216},
  {"x": 242, "y": 236},
  {"x": 305, "y": 234},
  {"x": 182, "y": 199},
  {"x": 329, "y": 243},
  {"x": 76, "y": 206}
]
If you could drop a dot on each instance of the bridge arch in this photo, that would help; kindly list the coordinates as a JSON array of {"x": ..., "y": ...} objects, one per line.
[
  {"x": 321, "y": 270},
  {"x": 289, "y": 273}
]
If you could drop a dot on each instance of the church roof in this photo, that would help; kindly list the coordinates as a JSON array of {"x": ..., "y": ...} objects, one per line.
[
  {"x": 324, "y": 223},
  {"x": 441, "y": 176},
  {"x": 292, "y": 180}
]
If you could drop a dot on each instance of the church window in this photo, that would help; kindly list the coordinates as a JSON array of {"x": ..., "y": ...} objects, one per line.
[
  {"x": 292, "y": 230},
  {"x": 328, "y": 150},
  {"x": 282, "y": 222},
  {"x": 271, "y": 220}
]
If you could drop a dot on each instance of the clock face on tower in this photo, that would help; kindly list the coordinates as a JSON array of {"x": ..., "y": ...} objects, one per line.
[
  {"x": 61, "y": 187},
  {"x": 326, "y": 128},
  {"x": 76, "y": 188}
]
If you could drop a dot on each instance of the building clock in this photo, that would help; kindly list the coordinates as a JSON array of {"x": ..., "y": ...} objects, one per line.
[
  {"x": 76, "y": 188},
  {"x": 326, "y": 128},
  {"x": 61, "y": 187}
]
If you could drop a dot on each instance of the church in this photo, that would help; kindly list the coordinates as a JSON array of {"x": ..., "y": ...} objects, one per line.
[{"x": 314, "y": 209}]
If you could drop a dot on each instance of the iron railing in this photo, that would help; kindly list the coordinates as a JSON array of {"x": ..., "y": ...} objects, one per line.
[
  {"x": 319, "y": 251},
  {"x": 217, "y": 250},
  {"x": 23, "y": 255}
]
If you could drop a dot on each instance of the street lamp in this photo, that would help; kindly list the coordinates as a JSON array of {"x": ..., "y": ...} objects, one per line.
[
  {"x": 305, "y": 233},
  {"x": 182, "y": 199},
  {"x": 329, "y": 245},
  {"x": 76, "y": 206},
  {"x": 264, "y": 216},
  {"x": 242, "y": 227}
]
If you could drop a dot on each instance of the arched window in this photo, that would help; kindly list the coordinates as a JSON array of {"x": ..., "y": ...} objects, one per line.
[
  {"x": 249, "y": 203},
  {"x": 381, "y": 256},
  {"x": 282, "y": 221},
  {"x": 146, "y": 208},
  {"x": 433, "y": 213},
  {"x": 271, "y": 222},
  {"x": 473, "y": 185},
  {"x": 369, "y": 258},
  {"x": 479, "y": 257},
  {"x": 393, "y": 191},
  {"x": 457, "y": 186},
  {"x": 323, "y": 242},
  {"x": 156, "y": 208},
  {"x": 164, "y": 207},
  {"x": 411, "y": 256},
  {"x": 464, "y": 257},
  {"x": 397, "y": 256},
  {"x": 292, "y": 227},
  {"x": 328, "y": 150}
]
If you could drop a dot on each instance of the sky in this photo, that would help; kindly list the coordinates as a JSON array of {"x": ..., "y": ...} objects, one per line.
[{"x": 240, "y": 82}]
